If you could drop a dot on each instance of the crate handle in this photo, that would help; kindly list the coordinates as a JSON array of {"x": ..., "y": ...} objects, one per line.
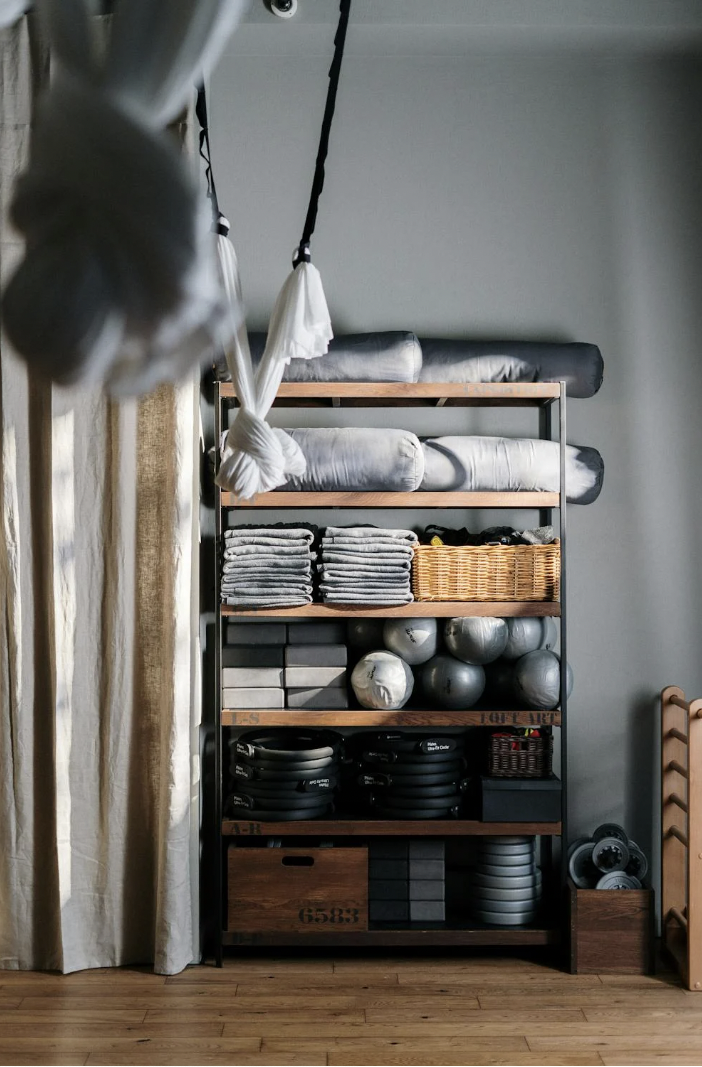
[{"x": 298, "y": 861}]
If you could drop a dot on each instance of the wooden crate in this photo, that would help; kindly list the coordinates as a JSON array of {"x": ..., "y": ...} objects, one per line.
[
  {"x": 303, "y": 890},
  {"x": 611, "y": 931}
]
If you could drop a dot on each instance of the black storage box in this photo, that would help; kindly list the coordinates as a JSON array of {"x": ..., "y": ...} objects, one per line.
[{"x": 520, "y": 799}]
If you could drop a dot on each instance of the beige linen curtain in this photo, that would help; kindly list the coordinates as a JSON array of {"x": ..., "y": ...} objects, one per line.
[{"x": 98, "y": 646}]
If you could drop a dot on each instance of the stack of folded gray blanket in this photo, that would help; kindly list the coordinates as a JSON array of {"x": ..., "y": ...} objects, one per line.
[
  {"x": 267, "y": 566},
  {"x": 366, "y": 565}
]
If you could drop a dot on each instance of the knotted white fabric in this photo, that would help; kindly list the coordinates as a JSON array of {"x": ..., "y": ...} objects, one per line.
[
  {"x": 118, "y": 284},
  {"x": 10, "y": 11},
  {"x": 257, "y": 457}
]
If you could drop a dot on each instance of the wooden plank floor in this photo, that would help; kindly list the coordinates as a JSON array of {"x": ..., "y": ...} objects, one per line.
[{"x": 355, "y": 1009}]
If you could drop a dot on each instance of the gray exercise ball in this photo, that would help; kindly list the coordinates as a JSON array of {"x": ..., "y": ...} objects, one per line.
[
  {"x": 528, "y": 634},
  {"x": 365, "y": 633},
  {"x": 500, "y": 682},
  {"x": 450, "y": 683},
  {"x": 414, "y": 640},
  {"x": 537, "y": 679},
  {"x": 382, "y": 680},
  {"x": 476, "y": 639}
]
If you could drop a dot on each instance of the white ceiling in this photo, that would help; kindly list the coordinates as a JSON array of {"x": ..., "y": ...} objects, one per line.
[{"x": 457, "y": 27}]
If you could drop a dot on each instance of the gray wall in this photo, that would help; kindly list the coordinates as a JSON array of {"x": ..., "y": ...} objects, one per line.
[{"x": 514, "y": 194}]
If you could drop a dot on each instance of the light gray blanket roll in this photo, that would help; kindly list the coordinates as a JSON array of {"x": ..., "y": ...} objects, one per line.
[
  {"x": 358, "y": 459},
  {"x": 502, "y": 464},
  {"x": 388, "y": 356}
]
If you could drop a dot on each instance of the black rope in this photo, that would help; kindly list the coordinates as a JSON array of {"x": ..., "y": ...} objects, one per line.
[
  {"x": 219, "y": 223},
  {"x": 303, "y": 251}
]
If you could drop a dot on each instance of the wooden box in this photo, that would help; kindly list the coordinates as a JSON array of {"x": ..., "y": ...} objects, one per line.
[
  {"x": 297, "y": 889},
  {"x": 611, "y": 931}
]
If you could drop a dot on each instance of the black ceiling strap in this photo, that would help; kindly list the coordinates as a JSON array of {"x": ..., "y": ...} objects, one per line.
[
  {"x": 303, "y": 251},
  {"x": 219, "y": 223}
]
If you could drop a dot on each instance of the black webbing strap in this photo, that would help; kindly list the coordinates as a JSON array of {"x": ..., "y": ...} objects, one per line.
[
  {"x": 219, "y": 223},
  {"x": 303, "y": 251}
]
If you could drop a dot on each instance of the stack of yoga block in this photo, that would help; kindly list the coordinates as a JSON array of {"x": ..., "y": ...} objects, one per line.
[
  {"x": 406, "y": 880},
  {"x": 276, "y": 665}
]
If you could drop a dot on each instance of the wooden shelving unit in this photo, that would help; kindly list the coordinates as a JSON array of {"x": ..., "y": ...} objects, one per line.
[
  {"x": 417, "y": 609},
  {"x": 540, "y": 396},
  {"x": 404, "y": 717},
  {"x": 386, "y": 828}
]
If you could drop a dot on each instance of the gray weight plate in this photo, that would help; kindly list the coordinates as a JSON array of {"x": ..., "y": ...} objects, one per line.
[
  {"x": 497, "y": 860},
  {"x": 610, "y": 829},
  {"x": 505, "y": 882},
  {"x": 637, "y": 866},
  {"x": 610, "y": 854},
  {"x": 524, "y": 896},
  {"x": 505, "y": 907},
  {"x": 506, "y": 850},
  {"x": 503, "y": 919},
  {"x": 532, "y": 892},
  {"x": 581, "y": 868},
  {"x": 501, "y": 871},
  {"x": 494, "y": 839},
  {"x": 618, "y": 880},
  {"x": 576, "y": 844}
]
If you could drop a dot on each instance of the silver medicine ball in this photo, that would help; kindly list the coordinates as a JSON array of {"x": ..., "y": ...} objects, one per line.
[
  {"x": 537, "y": 679},
  {"x": 450, "y": 683},
  {"x": 415, "y": 640},
  {"x": 528, "y": 634},
  {"x": 382, "y": 680},
  {"x": 476, "y": 639}
]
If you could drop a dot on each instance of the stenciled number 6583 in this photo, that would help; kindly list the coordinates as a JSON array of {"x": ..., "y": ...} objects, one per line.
[{"x": 328, "y": 915}]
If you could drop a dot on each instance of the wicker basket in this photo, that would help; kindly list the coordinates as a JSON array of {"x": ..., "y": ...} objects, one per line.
[
  {"x": 487, "y": 572},
  {"x": 519, "y": 756}
]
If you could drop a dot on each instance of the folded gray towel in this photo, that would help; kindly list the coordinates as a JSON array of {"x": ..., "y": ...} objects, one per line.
[
  {"x": 351, "y": 598},
  {"x": 338, "y": 570},
  {"x": 348, "y": 582},
  {"x": 268, "y": 542},
  {"x": 368, "y": 558},
  {"x": 297, "y": 566},
  {"x": 369, "y": 531},
  {"x": 267, "y": 550},
  {"x": 266, "y": 601},
  {"x": 243, "y": 565},
  {"x": 284, "y": 533},
  {"x": 367, "y": 546}
]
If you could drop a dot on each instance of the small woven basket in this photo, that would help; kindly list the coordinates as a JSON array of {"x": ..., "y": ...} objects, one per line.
[
  {"x": 519, "y": 756},
  {"x": 487, "y": 572}
]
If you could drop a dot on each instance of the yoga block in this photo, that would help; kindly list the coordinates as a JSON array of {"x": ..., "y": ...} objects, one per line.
[
  {"x": 388, "y": 889},
  {"x": 315, "y": 656},
  {"x": 388, "y": 910},
  {"x": 252, "y": 677},
  {"x": 388, "y": 868},
  {"x": 316, "y": 633},
  {"x": 314, "y": 677},
  {"x": 253, "y": 698},
  {"x": 427, "y": 889},
  {"x": 388, "y": 848},
  {"x": 433, "y": 869},
  {"x": 254, "y": 656},
  {"x": 427, "y": 848},
  {"x": 427, "y": 911},
  {"x": 611, "y": 931},
  {"x": 256, "y": 633},
  {"x": 330, "y": 697}
]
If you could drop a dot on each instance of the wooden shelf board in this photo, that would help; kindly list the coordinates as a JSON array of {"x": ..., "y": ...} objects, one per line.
[
  {"x": 386, "y": 828},
  {"x": 400, "y": 394},
  {"x": 416, "y": 499},
  {"x": 411, "y": 935},
  {"x": 424, "y": 609},
  {"x": 403, "y": 717}
]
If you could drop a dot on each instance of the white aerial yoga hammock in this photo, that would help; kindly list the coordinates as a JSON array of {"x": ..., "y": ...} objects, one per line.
[
  {"x": 11, "y": 10},
  {"x": 257, "y": 457},
  {"x": 118, "y": 284}
]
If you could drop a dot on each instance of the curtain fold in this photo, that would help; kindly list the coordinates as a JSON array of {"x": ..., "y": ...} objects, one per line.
[{"x": 98, "y": 645}]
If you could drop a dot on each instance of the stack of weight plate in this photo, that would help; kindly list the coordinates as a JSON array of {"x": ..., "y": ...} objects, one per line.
[
  {"x": 283, "y": 775},
  {"x": 607, "y": 860},
  {"x": 406, "y": 776},
  {"x": 506, "y": 883}
]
